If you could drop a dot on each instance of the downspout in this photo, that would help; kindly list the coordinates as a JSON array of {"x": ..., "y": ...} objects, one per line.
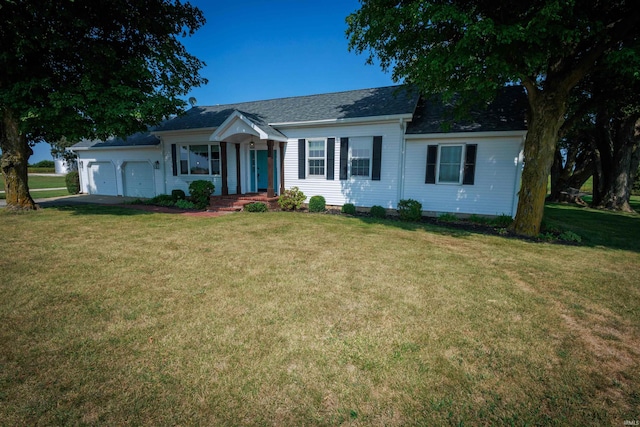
[
  {"x": 516, "y": 186},
  {"x": 163, "y": 168},
  {"x": 403, "y": 148}
]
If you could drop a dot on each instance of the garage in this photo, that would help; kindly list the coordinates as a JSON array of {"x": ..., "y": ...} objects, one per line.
[
  {"x": 102, "y": 179},
  {"x": 138, "y": 179}
]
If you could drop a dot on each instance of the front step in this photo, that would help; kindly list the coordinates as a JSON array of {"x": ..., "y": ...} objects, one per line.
[{"x": 236, "y": 203}]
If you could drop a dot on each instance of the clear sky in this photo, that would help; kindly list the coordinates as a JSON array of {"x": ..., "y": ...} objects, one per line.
[{"x": 263, "y": 49}]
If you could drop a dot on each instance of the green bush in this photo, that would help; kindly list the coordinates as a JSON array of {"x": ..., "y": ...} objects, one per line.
[
  {"x": 184, "y": 204},
  {"x": 317, "y": 204},
  {"x": 256, "y": 207},
  {"x": 477, "y": 219},
  {"x": 178, "y": 194},
  {"x": 447, "y": 217},
  {"x": 201, "y": 192},
  {"x": 503, "y": 221},
  {"x": 410, "y": 210},
  {"x": 72, "y": 179},
  {"x": 292, "y": 199},
  {"x": 162, "y": 200},
  {"x": 348, "y": 208},
  {"x": 570, "y": 236},
  {"x": 377, "y": 211},
  {"x": 44, "y": 164}
]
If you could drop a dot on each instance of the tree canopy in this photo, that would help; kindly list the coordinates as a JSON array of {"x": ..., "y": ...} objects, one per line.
[
  {"x": 473, "y": 48},
  {"x": 88, "y": 69}
]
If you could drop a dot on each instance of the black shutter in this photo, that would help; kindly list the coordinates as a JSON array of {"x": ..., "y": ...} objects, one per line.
[
  {"x": 377, "y": 158},
  {"x": 470, "y": 164},
  {"x": 432, "y": 160},
  {"x": 331, "y": 157},
  {"x": 302, "y": 158},
  {"x": 174, "y": 159},
  {"x": 344, "y": 157}
]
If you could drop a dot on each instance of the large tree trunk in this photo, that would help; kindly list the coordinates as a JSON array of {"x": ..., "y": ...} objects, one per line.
[
  {"x": 546, "y": 116},
  {"x": 14, "y": 162},
  {"x": 573, "y": 170},
  {"x": 614, "y": 184}
]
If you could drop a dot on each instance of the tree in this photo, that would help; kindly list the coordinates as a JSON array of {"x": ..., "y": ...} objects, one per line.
[
  {"x": 474, "y": 47},
  {"x": 88, "y": 69}
]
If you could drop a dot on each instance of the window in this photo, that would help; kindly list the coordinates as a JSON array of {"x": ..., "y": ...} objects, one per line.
[
  {"x": 449, "y": 168},
  {"x": 200, "y": 159},
  {"x": 316, "y": 157},
  {"x": 360, "y": 157},
  {"x": 451, "y": 164}
]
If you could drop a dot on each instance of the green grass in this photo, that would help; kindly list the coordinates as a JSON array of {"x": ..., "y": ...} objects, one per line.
[
  {"x": 37, "y": 182},
  {"x": 116, "y": 316}
]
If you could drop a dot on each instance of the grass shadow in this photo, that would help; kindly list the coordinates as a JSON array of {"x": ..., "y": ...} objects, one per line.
[{"x": 95, "y": 209}]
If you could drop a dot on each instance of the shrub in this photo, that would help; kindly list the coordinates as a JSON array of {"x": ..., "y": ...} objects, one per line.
[
  {"x": 178, "y": 194},
  {"x": 162, "y": 200},
  {"x": 410, "y": 210},
  {"x": 447, "y": 217},
  {"x": 349, "y": 209},
  {"x": 291, "y": 199},
  {"x": 200, "y": 192},
  {"x": 256, "y": 207},
  {"x": 377, "y": 211},
  {"x": 72, "y": 179},
  {"x": 502, "y": 221},
  {"x": 570, "y": 236},
  {"x": 317, "y": 204},
  {"x": 184, "y": 204},
  {"x": 477, "y": 219}
]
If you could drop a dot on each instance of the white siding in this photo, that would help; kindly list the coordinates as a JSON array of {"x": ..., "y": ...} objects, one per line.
[
  {"x": 359, "y": 191},
  {"x": 497, "y": 173},
  {"x": 117, "y": 158}
]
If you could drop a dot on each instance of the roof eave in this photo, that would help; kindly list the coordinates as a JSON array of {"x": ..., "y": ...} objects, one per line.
[{"x": 351, "y": 120}]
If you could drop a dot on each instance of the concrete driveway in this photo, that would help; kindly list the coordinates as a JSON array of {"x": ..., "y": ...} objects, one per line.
[{"x": 79, "y": 199}]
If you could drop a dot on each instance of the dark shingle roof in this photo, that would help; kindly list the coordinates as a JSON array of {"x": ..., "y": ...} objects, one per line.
[
  {"x": 382, "y": 101},
  {"x": 506, "y": 112},
  {"x": 139, "y": 139}
]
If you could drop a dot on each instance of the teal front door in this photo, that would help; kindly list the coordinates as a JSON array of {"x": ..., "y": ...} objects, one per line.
[{"x": 260, "y": 170}]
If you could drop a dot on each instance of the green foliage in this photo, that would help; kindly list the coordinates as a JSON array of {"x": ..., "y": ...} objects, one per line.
[
  {"x": 256, "y": 207},
  {"x": 502, "y": 221},
  {"x": 292, "y": 199},
  {"x": 447, "y": 217},
  {"x": 410, "y": 210},
  {"x": 378, "y": 211},
  {"x": 570, "y": 236},
  {"x": 477, "y": 219},
  {"x": 201, "y": 192},
  {"x": 348, "y": 208},
  {"x": 44, "y": 164},
  {"x": 140, "y": 48},
  {"x": 161, "y": 200},
  {"x": 178, "y": 194},
  {"x": 185, "y": 204},
  {"x": 317, "y": 204},
  {"x": 72, "y": 179}
]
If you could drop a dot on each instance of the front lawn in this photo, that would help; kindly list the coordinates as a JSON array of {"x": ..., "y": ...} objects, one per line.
[
  {"x": 116, "y": 316},
  {"x": 39, "y": 182}
]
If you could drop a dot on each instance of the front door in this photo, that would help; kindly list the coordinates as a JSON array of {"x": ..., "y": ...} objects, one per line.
[{"x": 260, "y": 170}]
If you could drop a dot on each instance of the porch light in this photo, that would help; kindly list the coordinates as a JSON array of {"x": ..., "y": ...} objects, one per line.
[
  {"x": 156, "y": 165},
  {"x": 252, "y": 144}
]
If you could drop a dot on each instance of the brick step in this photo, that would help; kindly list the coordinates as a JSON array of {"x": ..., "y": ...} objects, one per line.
[{"x": 235, "y": 203}]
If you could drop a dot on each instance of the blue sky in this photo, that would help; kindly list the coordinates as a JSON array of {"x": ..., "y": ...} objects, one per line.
[{"x": 263, "y": 49}]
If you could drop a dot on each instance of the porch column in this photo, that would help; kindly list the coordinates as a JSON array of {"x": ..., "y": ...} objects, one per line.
[
  {"x": 223, "y": 161},
  {"x": 281, "y": 167},
  {"x": 238, "y": 186},
  {"x": 270, "y": 192}
]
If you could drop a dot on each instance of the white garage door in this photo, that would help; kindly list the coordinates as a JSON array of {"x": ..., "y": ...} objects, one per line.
[
  {"x": 102, "y": 179},
  {"x": 138, "y": 179}
]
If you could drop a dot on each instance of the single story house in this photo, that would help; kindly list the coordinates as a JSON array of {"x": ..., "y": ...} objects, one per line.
[{"x": 366, "y": 147}]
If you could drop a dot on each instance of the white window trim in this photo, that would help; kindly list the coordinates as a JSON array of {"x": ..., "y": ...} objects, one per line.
[
  {"x": 350, "y": 173},
  {"x": 186, "y": 145},
  {"x": 460, "y": 172},
  {"x": 308, "y": 151}
]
